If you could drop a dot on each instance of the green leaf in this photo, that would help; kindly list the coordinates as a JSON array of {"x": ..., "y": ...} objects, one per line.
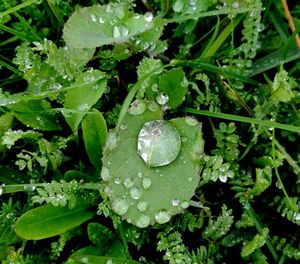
[
  {"x": 174, "y": 84},
  {"x": 47, "y": 221},
  {"x": 33, "y": 114},
  {"x": 98, "y": 25},
  {"x": 142, "y": 194},
  {"x": 100, "y": 235},
  {"x": 102, "y": 260},
  {"x": 79, "y": 100},
  {"x": 94, "y": 134},
  {"x": 263, "y": 180}
]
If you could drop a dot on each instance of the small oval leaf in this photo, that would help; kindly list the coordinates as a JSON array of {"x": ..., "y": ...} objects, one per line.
[{"x": 47, "y": 221}]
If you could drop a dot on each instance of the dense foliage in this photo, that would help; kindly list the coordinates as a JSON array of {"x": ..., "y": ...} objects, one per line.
[{"x": 163, "y": 131}]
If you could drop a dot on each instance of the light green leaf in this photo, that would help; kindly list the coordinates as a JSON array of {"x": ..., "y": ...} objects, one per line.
[
  {"x": 174, "y": 84},
  {"x": 102, "y": 260},
  {"x": 94, "y": 134},
  {"x": 257, "y": 242},
  {"x": 79, "y": 100},
  {"x": 98, "y": 25},
  {"x": 145, "y": 195},
  {"x": 47, "y": 221}
]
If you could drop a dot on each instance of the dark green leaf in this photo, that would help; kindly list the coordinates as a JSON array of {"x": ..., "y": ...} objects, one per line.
[{"x": 102, "y": 260}]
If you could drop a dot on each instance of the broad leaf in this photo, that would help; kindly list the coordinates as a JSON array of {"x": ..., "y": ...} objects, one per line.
[
  {"x": 79, "y": 100},
  {"x": 102, "y": 260},
  {"x": 47, "y": 221}
]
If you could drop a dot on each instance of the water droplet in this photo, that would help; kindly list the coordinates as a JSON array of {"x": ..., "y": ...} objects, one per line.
[
  {"x": 117, "y": 180},
  {"x": 191, "y": 121},
  {"x": 137, "y": 107},
  {"x": 148, "y": 16},
  {"x": 162, "y": 217},
  {"x": 83, "y": 107},
  {"x": 190, "y": 179},
  {"x": 108, "y": 8},
  {"x": 120, "y": 31},
  {"x": 135, "y": 193},
  {"x": 105, "y": 174},
  {"x": 184, "y": 139},
  {"x": 146, "y": 183},
  {"x": 154, "y": 87},
  {"x": 153, "y": 106},
  {"x": 120, "y": 206},
  {"x": 162, "y": 99},
  {"x": 123, "y": 126},
  {"x": 297, "y": 216},
  {"x": 143, "y": 221},
  {"x": 136, "y": 16},
  {"x": 140, "y": 174},
  {"x": 128, "y": 182},
  {"x": 108, "y": 191},
  {"x": 142, "y": 206},
  {"x": 116, "y": 32},
  {"x": 175, "y": 202},
  {"x": 223, "y": 177},
  {"x": 55, "y": 86},
  {"x": 109, "y": 261},
  {"x": 158, "y": 143},
  {"x": 184, "y": 204},
  {"x": 112, "y": 140},
  {"x": 278, "y": 185},
  {"x": 93, "y": 17},
  {"x": 178, "y": 6},
  {"x": 1, "y": 191},
  {"x": 101, "y": 20}
]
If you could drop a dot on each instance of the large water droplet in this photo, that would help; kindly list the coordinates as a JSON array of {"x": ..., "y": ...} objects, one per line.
[
  {"x": 158, "y": 143},
  {"x": 137, "y": 107},
  {"x": 146, "y": 183},
  {"x": 135, "y": 193},
  {"x": 162, "y": 217},
  {"x": 175, "y": 202},
  {"x": 184, "y": 204},
  {"x": 143, "y": 221},
  {"x": 142, "y": 206},
  {"x": 105, "y": 174},
  {"x": 162, "y": 99},
  {"x": 120, "y": 206},
  {"x": 153, "y": 106},
  {"x": 128, "y": 182}
]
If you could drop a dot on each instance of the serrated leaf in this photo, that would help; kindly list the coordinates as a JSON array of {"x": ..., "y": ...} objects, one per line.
[
  {"x": 257, "y": 242},
  {"x": 33, "y": 114},
  {"x": 142, "y": 194},
  {"x": 47, "y": 221},
  {"x": 90, "y": 88},
  {"x": 174, "y": 84},
  {"x": 98, "y": 25},
  {"x": 94, "y": 134}
]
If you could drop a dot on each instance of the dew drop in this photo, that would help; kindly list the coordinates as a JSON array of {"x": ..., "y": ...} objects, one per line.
[
  {"x": 112, "y": 141},
  {"x": 137, "y": 108},
  {"x": 162, "y": 99},
  {"x": 162, "y": 217},
  {"x": 297, "y": 216},
  {"x": 116, "y": 32},
  {"x": 223, "y": 177},
  {"x": 128, "y": 182},
  {"x": 153, "y": 106},
  {"x": 101, "y": 20},
  {"x": 123, "y": 126},
  {"x": 148, "y": 16},
  {"x": 146, "y": 183},
  {"x": 105, "y": 174},
  {"x": 143, "y": 221},
  {"x": 83, "y": 107},
  {"x": 120, "y": 206},
  {"x": 184, "y": 139},
  {"x": 135, "y": 193},
  {"x": 140, "y": 174},
  {"x": 154, "y": 87},
  {"x": 117, "y": 180},
  {"x": 142, "y": 206},
  {"x": 158, "y": 143},
  {"x": 108, "y": 191},
  {"x": 93, "y": 17},
  {"x": 136, "y": 16},
  {"x": 175, "y": 202},
  {"x": 190, "y": 179},
  {"x": 184, "y": 204},
  {"x": 1, "y": 191},
  {"x": 191, "y": 121}
]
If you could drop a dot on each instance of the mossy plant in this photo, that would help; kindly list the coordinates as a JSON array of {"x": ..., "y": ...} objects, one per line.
[{"x": 151, "y": 166}]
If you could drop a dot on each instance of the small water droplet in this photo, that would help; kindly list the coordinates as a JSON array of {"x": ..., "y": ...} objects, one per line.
[
  {"x": 112, "y": 141},
  {"x": 153, "y": 106},
  {"x": 223, "y": 177},
  {"x": 190, "y": 179},
  {"x": 108, "y": 8},
  {"x": 175, "y": 202},
  {"x": 108, "y": 191},
  {"x": 109, "y": 261},
  {"x": 278, "y": 185},
  {"x": 146, "y": 183},
  {"x": 162, "y": 217},
  {"x": 297, "y": 216},
  {"x": 1, "y": 191},
  {"x": 93, "y": 17},
  {"x": 117, "y": 180},
  {"x": 123, "y": 126},
  {"x": 191, "y": 121},
  {"x": 116, "y": 32},
  {"x": 136, "y": 16},
  {"x": 158, "y": 143},
  {"x": 55, "y": 86},
  {"x": 128, "y": 182},
  {"x": 105, "y": 174},
  {"x": 143, "y": 221},
  {"x": 137, "y": 108},
  {"x": 162, "y": 99},
  {"x": 154, "y": 87},
  {"x": 101, "y": 20},
  {"x": 140, "y": 174},
  {"x": 184, "y": 139},
  {"x": 148, "y": 16},
  {"x": 160, "y": 175},
  {"x": 142, "y": 206},
  {"x": 120, "y": 206},
  {"x": 135, "y": 193},
  {"x": 83, "y": 107},
  {"x": 184, "y": 204}
]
